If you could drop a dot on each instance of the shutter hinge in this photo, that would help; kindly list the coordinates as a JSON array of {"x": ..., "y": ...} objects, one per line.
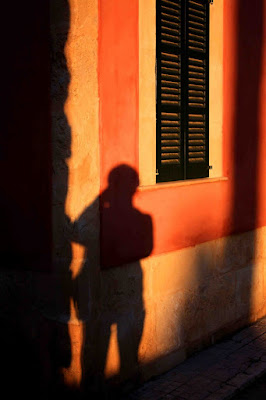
[
  {"x": 157, "y": 172},
  {"x": 210, "y": 1},
  {"x": 209, "y": 166}
]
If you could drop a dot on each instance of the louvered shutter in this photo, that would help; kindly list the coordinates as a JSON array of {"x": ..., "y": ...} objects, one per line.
[
  {"x": 182, "y": 89},
  {"x": 197, "y": 110},
  {"x": 170, "y": 157}
]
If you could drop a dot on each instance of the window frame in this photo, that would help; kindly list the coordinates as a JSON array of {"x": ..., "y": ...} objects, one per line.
[{"x": 147, "y": 85}]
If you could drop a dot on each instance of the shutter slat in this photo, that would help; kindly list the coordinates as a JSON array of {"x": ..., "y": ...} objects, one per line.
[
  {"x": 170, "y": 17},
  {"x": 170, "y": 10},
  {"x": 196, "y": 5},
  {"x": 170, "y": 24},
  {"x": 173, "y": 3}
]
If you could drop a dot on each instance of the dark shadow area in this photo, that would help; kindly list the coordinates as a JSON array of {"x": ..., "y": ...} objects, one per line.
[
  {"x": 255, "y": 391},
  {"x": 246, "y": 142},
  {"x": 247, "y": 115},
  {"x": 25, "y": 185},
  {"x": 34, "y": 349},
  {"x": 25, "y": 143}
]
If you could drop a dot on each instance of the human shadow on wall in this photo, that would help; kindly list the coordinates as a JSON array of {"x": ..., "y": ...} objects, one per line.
[{"x": 109, "y": 296}]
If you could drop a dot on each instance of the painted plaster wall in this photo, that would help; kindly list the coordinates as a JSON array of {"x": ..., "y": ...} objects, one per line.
[
  {"x": 218, "y": 286},
  {"x": 192, "y": 297},
  {"x": 198, "y": 283},
  {"x": 74, "y": 31},
  {"x": 142, "y": 317},
  {"x": 153, "y": 314},
  {"x": 189, "y": 206},
  {"x": 196, "y": 295},
  {"x": 73, "y": 285}
]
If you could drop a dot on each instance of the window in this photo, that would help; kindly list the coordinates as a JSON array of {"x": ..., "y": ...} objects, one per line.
[
  {"x": 182, "y": 53},
  {"x": 147, "y": 93}
]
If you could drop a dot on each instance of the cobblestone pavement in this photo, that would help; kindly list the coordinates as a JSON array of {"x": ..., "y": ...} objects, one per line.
[
  {"x": 217, "y": 373},
  {"x": 255, "y": 391}
]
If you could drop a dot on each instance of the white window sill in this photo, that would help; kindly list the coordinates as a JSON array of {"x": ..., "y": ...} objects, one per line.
[{"x": 187, "y": 182}]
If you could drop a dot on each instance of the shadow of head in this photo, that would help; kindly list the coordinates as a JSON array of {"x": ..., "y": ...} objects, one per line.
[
  {"x": 123, "y": 182},
  {"x": 126, "y": 232}
]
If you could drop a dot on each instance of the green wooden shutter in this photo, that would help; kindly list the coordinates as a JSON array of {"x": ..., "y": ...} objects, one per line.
[
  {"x": 197, "y": 106},
  {"x": 182, "y": 89},
  {"x": 170, "y": 142}
]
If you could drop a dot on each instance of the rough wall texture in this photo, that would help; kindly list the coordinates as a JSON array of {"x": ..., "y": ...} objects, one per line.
[
  {"x": 198, "y": 294},
  {"x": 152, "y": 318},
  {"x": 75, "y": 113},
  {"x": 74, "y": 32}
]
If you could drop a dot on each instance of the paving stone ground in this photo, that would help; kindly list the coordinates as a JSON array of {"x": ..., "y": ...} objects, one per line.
[
  {"x": 217, "y": 373},
  {"x": 255, "y": 391}
]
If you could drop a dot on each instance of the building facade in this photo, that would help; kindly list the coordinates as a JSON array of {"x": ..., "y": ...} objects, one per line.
[{"x": 133, "y": 275}]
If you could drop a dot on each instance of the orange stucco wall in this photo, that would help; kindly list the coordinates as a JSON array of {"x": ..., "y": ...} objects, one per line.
[{"x": 187, "y": 215}]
